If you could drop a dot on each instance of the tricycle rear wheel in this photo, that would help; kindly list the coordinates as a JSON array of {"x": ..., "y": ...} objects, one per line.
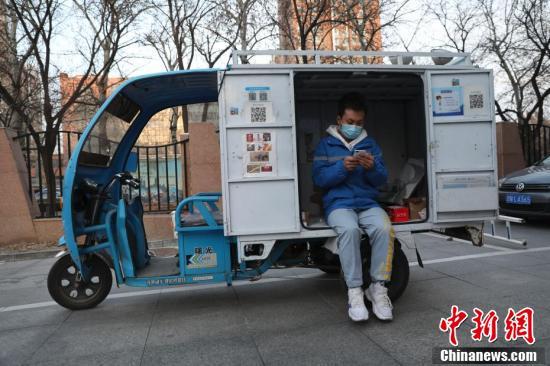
[
  {"x": 400, "y": 271},
  {"x": 330, "y": 263},
  {"x": 70, "y": 290}
]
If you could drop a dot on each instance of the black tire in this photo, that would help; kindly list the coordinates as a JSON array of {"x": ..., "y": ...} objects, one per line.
[
  {"x": 330, "y": 269},
  {"x": 70, "y": 292},
  {"x": 328, "y": 261},
  {"x": 400, "y": 271}
]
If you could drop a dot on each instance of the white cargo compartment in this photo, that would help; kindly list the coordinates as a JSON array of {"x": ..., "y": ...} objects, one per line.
[
  {"x": 437, "y": 122},
  {"x": 463, "y": 147},
  {"x": 257, "y": 135}
]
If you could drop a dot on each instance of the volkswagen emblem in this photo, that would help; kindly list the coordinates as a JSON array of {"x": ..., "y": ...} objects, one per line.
[{"x": 520, "y": 187}]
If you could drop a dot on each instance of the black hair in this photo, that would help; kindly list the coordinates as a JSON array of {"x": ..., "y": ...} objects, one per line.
[{"x": 354, "y": 101}]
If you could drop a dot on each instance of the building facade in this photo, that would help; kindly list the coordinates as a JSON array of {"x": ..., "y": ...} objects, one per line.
[{"x": 330, "y": 25}]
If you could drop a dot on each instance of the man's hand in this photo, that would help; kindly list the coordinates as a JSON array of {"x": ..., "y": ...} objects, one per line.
[
  {"x": 365, "y": 160},
  {"x": 350, "y": 163}
]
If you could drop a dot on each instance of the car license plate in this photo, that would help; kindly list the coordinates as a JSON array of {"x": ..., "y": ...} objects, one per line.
[{"x": 518, "y": 199}]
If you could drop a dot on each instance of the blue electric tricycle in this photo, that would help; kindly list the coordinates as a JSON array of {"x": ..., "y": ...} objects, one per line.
[{"x": 104, "y": 231}]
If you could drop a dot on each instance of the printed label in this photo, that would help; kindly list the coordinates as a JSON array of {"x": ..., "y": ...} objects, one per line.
[{"x": 206, "y": 258}]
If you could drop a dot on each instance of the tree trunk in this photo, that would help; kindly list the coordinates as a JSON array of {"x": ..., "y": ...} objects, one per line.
[
  {"x": 174, "y": 125},
  {"x": 48, "y": 170},
  {"x": 303, "y": 47},
  {"x": 205, "y": 112},
  {"x": 102, "y": 85},
  {"x": 526, "y": 139},
  {"x": 185, "y": 117}
]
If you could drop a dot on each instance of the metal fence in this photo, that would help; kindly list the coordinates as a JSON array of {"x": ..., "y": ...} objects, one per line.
[
  {"x": 161, "y": 170},
  {"x": 535, "y": 142}
]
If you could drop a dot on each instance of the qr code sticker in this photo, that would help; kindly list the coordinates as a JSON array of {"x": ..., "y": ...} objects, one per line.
[
  {"x": 252, "y": 96},
  {"x": 263, "y": 96},
  {"x": 258, "y": 114},
  {"x": 476, "y": 101}
]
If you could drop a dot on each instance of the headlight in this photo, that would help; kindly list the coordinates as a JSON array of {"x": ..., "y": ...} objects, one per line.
[{"x": 500, "y": 181}]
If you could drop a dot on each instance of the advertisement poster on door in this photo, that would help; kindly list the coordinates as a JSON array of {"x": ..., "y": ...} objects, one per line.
[
  {"x": 448, "y": 101},
  {"x": 260, "y": 156}
]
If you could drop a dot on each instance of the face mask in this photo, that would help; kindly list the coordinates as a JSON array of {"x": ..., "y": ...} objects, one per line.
[{"x": 351, "y": 131}]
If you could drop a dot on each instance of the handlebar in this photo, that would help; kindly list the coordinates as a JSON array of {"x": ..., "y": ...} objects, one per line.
[
  {"x": 123, "y": 177},
  {"x": 127, "y": 178}
]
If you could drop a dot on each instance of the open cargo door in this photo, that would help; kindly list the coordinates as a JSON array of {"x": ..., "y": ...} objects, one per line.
[
  {"x": 258, "y": 153},
  {"x": 462, "y": 145}
]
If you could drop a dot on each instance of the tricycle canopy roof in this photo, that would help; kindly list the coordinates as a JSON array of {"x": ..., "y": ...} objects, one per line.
[
  {"x": 133, "y": 103},
  {"x": 114, "y": 129},
  {"x": 159, "y": 91}
]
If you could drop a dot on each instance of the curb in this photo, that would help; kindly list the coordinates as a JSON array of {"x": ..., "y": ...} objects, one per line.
[
  {"x": 50, "y": 253},
  {"x": 23, "y": 256}
]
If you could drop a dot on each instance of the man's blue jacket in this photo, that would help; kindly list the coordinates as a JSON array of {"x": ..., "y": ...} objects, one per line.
[{"x": 343, "y": 189}]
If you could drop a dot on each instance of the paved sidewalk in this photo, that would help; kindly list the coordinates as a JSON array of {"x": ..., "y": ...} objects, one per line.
[{"x": 290, "y": 317}]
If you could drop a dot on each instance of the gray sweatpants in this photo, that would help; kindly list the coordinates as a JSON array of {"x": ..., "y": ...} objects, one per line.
[{"x": 348, "y": 224}]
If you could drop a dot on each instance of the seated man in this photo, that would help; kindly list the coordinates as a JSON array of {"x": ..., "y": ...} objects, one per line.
[{"x": 348, "y": 165}]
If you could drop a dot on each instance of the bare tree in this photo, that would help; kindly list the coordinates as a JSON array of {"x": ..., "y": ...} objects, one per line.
[
  {"x": 38, "y": 22},
  {"x": 173, "y": 37},
  {"x": 369, "y": 18},
  {"x": 215, "y": 38},
  {"x": 109, "y": 56},
  {"x": 14, "y": 74},
  {"x": 518, "y": 41},
  {"x": 242, "y": 23},
  {"x": 235, "y": 24},
  {"x": 406, "y": 40},
  {"x": 462, "y": 23},
  {"x": 304, "y": 24},
  {"x": 513, "y": 37},
  {"x": 106, "y": 26},
  {"x": 359, "y": 24},
  {"x": 537, "y": 29}
]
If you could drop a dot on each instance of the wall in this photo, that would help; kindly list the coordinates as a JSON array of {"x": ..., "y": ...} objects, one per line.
[
  {"x": 48, "y": 230},
  {"x": 510, "y": 156},
  {"x": 17, "y": 222},
  {"x": 16, "y": 210},
  {"x": 157, "y": 227},
  {"x": 204, "y": 158}
]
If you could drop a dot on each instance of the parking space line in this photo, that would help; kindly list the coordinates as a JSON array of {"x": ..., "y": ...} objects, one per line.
[
  {"x": 27, "y": 306},
  {"x": 481, "y": 255},
  {"x": 445, "y": 237},
  {"x": 265, "y": 280},
  {"x": 165, "y": 290}
]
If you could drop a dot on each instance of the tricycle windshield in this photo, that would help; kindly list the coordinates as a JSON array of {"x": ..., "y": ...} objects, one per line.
[{"x": 108, "y": 131}]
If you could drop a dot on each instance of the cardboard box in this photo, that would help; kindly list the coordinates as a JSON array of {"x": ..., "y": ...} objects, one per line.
[
  {"x": 417, "y": 208},
  {"x": 398, "y": 213}
]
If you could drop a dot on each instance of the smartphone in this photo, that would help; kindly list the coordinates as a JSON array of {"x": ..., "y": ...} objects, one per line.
[{"x": 359, "y": 152}]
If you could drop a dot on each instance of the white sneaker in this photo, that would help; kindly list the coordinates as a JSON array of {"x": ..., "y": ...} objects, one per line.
[
  {"x": 357, "y": 310},
  {"x": 377, "y": 294}
]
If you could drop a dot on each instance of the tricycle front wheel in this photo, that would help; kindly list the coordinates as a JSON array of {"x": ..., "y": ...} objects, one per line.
[{"x": 69, "y": 289}]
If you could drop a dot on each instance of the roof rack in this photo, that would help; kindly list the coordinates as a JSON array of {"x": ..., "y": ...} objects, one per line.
[{"x": 435, "y": 58}]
